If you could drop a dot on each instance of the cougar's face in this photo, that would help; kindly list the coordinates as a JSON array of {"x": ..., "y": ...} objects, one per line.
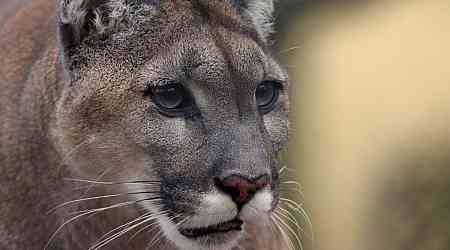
[{"x": 189, "y": 121}]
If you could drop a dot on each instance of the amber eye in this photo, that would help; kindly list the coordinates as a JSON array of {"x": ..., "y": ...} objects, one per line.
[
  {"x": 172, "y": 99},
  {"x": 267, "y": 94}
]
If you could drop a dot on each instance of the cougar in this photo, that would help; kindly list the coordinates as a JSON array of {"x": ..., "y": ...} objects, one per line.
[{"x": 142, "y": 124}]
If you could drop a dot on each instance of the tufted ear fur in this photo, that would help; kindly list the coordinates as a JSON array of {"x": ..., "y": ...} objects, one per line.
[
  {"x": 94, "y": 20},
  {"x": 261, "y": 13},
  {"x": 80, "y": 18}
]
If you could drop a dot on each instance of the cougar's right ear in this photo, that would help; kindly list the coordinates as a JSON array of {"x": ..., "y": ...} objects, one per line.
[
  {"x": 80, "y": 19},
  {"x": 76, "y": 19}
]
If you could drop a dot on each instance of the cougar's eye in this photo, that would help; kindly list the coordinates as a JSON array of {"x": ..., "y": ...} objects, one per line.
[
  {"x": 267, "y": 94},
  {"x": 171, "y": 99}
]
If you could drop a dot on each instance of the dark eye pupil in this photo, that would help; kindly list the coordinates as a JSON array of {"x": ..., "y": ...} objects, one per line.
[
  {"x": 265, "y": 94},
  {"x": 169, "y": 97}
]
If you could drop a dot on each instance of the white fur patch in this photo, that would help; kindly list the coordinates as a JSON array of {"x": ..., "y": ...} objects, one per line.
[
  {"x": 258, "y": 207},
  {"x": 171, "y": 232},
  {"x": 214, "y": 209}
]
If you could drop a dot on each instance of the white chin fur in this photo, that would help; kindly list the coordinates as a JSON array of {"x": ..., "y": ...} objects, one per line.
[
  {"x": 216, "y": 208},
  {"x": 183, "y": 243}
]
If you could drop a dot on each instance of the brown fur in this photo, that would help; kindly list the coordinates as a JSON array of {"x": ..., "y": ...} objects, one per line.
[{"x": 72, "y": 106}]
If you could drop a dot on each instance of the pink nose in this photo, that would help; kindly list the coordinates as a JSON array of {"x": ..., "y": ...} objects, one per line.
[{"x": 242, "y": 189}]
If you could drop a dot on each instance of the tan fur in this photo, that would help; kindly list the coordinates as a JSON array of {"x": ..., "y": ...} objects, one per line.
[{"x": 72, "y": 106}]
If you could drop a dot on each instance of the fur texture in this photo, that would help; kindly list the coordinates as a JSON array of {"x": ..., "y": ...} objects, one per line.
[
  {"x": 88, "y": 158},
  {"x": 105, "y": 17},
  {"x": 261, "y": 12}
]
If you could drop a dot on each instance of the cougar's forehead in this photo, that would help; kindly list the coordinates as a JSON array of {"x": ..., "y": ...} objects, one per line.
[
  {"x": 211, "y": 36},
  {"x": 218, "y": 61}
]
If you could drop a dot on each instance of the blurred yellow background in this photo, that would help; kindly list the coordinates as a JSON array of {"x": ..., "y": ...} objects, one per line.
[{"x": 371, "y": 120}]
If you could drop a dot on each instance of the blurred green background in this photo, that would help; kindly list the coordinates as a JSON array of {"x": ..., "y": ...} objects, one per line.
[{"x": 370, "y": 120}]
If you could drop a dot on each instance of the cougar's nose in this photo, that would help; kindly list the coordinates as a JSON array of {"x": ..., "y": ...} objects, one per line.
[{"x": 242, "y": 189}]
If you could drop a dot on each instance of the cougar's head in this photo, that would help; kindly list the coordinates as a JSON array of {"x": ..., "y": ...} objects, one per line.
[{"x": 180, "y": 105}]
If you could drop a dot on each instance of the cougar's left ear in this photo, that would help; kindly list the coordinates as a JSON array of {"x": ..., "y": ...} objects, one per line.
[{"x": 261, "y": 13}]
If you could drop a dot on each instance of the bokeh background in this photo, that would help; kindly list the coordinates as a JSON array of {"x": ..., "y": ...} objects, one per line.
[{"x": 370, "y": 120}]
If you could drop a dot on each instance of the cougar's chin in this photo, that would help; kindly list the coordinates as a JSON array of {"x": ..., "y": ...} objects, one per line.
[
  {"x": 223, "y": 236},
  {"x": 217, "y": 223}
]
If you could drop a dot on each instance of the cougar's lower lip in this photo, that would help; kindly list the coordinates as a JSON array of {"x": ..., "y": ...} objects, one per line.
[{"x": 224, "y": 227}]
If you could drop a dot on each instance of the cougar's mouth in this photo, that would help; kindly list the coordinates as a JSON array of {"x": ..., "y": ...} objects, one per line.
[{"x": 221, "y": 228}]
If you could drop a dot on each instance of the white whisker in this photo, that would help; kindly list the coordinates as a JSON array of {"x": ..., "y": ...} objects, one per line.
[
  {"x": 293, "y": 221},
  {"x": 120, "y": 233},
  {"x": 144, "y": 183},
  {"x": 280, "y": 229},
  {"x": 291, "y": 218},
  {"x": 74, "y": 150},
  {"x": 298, "y": 208},
  {"x": 93, "y": 198},
  {"x": 290, "y": 49},
  {"x": 84, "y": 213},
  {"x": 142, "y": 217}
]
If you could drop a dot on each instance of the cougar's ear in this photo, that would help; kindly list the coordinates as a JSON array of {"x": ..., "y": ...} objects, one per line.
[
  {"x": 80, "y": 19},
  {"x": 261, "y": 13}
]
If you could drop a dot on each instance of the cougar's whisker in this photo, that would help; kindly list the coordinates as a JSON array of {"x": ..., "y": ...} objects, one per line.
[
  {"x": 291, "y": 218},
  {"x": 99, "y": 177},
  {"x": 290, "y": 229},
  {"x": 284, "y": 189},
  {"x": 182, "y": 221},
  {"x": 74, "y": 150},
  {"x": 120, "y": 233},
  {"x": 295, "y": 183},
  {"x": 158, "y": 236},
  {"x": 283, "y": 233},
  {"x": 84, "y": 213},
  {"x": 104, "y": 186},
  {"x": 106, "y": 239},
  {"x": 155, "y": 238},
  {"x": 299, "y": 209},
  {"x": 142, "y": 230},
  {"x": 122, "y": 204},
  {"x": 296, "y": 234},
  {"x": 152, "y": 224},
  {"x": 282, "y": 170},
  {"x": 142, "y": 217},
  {"x": 293, "y": 48},
  {"x": 270, "y": 225},
  {"x": 95, "y": 198},
  {"x": 149, "y": 183}
]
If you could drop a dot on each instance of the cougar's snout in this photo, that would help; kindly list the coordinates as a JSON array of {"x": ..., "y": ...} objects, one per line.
[{"x": 242, "y": 189}]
